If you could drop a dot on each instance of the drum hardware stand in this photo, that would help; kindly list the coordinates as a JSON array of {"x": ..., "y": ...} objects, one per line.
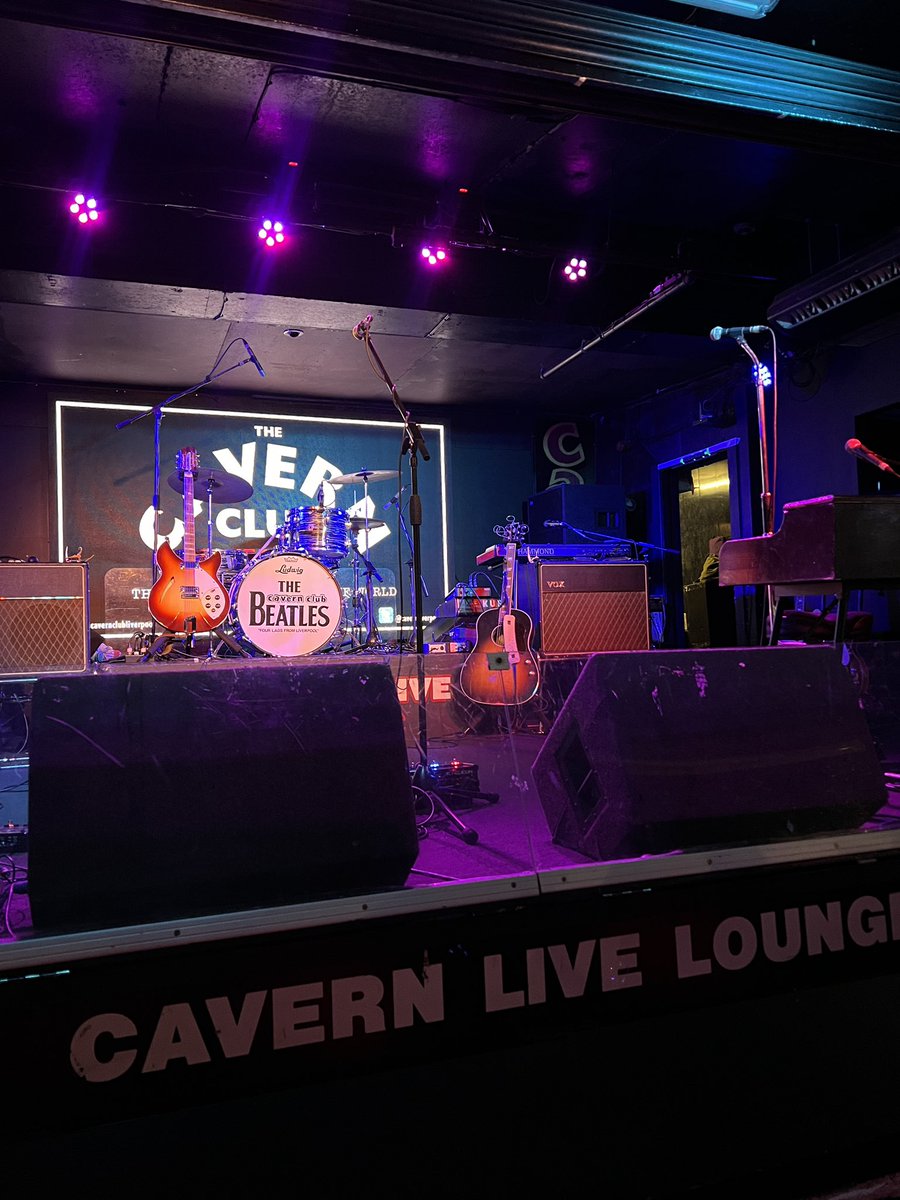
[
  {"x": 157, "y": 411},
  {"x": 364, "y": 633},
  {"x": 410, "y": 562},
  {"x": 225, "y": 639}
]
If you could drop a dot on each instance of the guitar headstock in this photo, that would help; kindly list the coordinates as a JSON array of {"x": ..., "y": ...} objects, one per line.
[
  {"x": 512, "y": 531},
  {"x": 187, "y": 460}
]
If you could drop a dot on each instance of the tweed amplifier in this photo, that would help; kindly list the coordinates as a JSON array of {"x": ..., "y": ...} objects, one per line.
[
  {"x": 43, "y": 618},
  {"x": 581, "y": 608}
]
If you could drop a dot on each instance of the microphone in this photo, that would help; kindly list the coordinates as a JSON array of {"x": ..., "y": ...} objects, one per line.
[
  {"x": 551, "y": 524},
  {"x": 855, "y": 447},
  {"x": 361, "y": 328},
  {"x": 394, "y": 499},
  {"x": 738, "y": 331},
  {"x": 253, "y": 358}
]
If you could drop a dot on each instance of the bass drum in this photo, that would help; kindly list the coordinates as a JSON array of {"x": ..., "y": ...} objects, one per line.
[{"x": 287, "y": 605}]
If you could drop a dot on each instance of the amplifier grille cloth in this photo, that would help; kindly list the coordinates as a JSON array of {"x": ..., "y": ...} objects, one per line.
[{"x": 582, "y": 622}]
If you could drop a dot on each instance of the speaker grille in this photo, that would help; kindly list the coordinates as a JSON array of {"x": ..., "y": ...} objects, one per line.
[
  {"x": 588, "y": 607},
  {"x": 43, "y": 618},
  {"x": 582, "y": 622}
]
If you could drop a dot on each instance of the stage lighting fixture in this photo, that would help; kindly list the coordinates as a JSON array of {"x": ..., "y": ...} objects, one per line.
[
  {"x": 576, "y": 270},
  {"x": 271, "y": 233},
  {"x": 84, "y": 209},
  {"x": 762, "y": 374},
  {"x": 734, "y": 8},
  {"x": 434, "y": 256}
]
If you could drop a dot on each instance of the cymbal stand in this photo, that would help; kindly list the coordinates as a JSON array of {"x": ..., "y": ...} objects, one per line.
[
  {"x": 373, "y": 637},
  {"x": 410, "y": 563}
]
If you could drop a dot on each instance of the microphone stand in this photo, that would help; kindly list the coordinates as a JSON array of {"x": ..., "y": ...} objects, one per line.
[
  {"x": 413, "y": 445},
  {"x": 590, "y": 535},
  {"x": 766, "y": 496},
  {"x": 157, "y": 411}
]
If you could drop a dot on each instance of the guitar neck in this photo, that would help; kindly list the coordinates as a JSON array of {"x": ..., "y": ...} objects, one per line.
[
  {"x": 507, "y": 598},
  {"x": 190, "y": 551}
]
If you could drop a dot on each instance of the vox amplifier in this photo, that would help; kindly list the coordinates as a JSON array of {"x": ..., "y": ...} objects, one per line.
[
  {"x": 581, "y": 608},
  {"x": 43, "y": 618}
]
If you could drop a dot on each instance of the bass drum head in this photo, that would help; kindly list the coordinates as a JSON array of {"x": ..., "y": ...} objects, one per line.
[{"x": 287, "y": 605}]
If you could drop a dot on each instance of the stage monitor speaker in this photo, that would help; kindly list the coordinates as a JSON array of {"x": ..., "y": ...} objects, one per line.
[
  {"x": 43, "y": 618},
  {"x": 580, "y": 608},
  {"x": 667, "y": 750},
  {"x": 166, "y": 790}
]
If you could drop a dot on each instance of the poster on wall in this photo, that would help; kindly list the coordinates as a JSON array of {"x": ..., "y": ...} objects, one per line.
[
  {"x": 266, "y": 486},
  {"x": 563, "y": 453}
]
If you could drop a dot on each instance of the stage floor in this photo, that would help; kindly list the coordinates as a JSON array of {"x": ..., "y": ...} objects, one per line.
[{"x": 485, "y": 825}]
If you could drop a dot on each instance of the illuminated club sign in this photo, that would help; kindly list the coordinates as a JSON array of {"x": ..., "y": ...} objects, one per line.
[{"x": 271, "y": 480}]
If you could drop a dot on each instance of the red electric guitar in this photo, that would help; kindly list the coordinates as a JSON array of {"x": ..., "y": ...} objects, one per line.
[
  {"x": 187, "y": 597},
  {"x": 500, "y": 669}
]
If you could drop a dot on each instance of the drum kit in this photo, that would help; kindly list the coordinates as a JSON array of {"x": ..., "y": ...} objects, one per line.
[{"x": 284, "y": 598}]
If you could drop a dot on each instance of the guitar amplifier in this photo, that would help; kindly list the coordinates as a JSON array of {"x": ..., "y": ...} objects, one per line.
[
  {"x": 43, "y": 618},
  {"x": 582, "y": 608}
]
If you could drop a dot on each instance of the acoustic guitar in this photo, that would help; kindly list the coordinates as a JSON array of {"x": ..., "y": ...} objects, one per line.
[
  {"x": 187, "y": 597},
  {"x": 500, "y": 668}
]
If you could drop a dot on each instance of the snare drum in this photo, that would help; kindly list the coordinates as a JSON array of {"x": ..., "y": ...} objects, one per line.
[
  {"x": 234, "y": 559},
  {"x": 323, "y": 533},
  {"x": 287, "y": 605}
]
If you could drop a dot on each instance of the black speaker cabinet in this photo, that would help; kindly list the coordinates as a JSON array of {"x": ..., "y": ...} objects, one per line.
[
  {"x": 165, "y": 790},
  {"x": 580, "y": 608},
  {"x": 43, "y": 618},
  {"x": 599, "y": 508},
  {"x": 671, "y": 749}
]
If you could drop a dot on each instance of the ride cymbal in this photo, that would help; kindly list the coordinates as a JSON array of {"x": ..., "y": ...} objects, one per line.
[
  {"x": 221, "y": 487},
  {"x": 364, "y": 476}
]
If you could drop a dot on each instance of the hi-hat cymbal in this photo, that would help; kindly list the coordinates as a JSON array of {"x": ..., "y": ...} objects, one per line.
[
  {"x": 364, "y": 476},
  {"x": 221, "y": 487},
  {"x": 358, "y": 524}
]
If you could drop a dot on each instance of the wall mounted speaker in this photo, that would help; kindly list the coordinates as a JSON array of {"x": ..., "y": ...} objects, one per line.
[
  {"x": 164, "y": 790},
  {"x": 43, "y": 618},
  {"x": 598, "y": 508},
  {"x": 669, "y": 749}
]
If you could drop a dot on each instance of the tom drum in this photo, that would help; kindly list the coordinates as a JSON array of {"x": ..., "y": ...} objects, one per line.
[
  {"x": 287, "y": 605},
  {"x": 323, "y": 533}
]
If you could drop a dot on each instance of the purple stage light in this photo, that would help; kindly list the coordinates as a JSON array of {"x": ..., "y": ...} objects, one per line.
[
  {"x": 434, "y": 256},
  {"x": 575, "y": 270},
  {"x": 84, "y": 209},
  {"x": 271, "y": 233}
]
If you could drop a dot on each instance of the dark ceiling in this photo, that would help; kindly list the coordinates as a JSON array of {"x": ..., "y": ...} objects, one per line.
[{"x": 709, "y": 166}]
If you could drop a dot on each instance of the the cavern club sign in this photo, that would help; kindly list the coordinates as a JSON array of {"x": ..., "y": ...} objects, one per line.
[{"x": 276, "y": 467}]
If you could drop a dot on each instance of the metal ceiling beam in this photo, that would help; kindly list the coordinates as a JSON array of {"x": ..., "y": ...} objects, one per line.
[{"x": 577, "y": 57}]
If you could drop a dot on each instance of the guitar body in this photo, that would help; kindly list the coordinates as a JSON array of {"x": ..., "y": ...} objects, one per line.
[
  {"x": 490, "y": 673},
  {"x": 183, "y": 594}
]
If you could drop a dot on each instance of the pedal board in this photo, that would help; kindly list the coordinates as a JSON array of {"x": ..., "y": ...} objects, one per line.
[
  {"x": 458, "y": 775},
  {"x": 13, "y": 839}
]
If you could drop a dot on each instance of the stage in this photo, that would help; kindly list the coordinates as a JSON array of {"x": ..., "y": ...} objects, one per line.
[{"x": 243, "y": 879}]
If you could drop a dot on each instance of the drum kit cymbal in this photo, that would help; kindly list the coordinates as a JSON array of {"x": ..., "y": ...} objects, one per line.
[{"x": 315, "y": 533}]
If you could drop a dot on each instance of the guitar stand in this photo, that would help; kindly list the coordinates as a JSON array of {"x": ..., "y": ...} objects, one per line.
[{"x": 164, "y": 645}]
